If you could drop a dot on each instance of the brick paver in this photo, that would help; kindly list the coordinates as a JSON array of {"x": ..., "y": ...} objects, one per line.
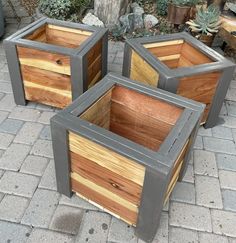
[{"x": 201, "y": 208}]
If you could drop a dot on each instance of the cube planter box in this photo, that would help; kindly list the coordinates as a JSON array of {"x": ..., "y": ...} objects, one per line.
[
  {"x": 123, "y": 145},
  {"x": 53, "y": 62},
  {"x": 181, "y": 64}
]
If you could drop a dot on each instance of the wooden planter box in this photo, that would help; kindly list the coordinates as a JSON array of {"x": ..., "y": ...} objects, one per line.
[
  {"x": 181, "y": 64},
  {"x": 123, "y": 145},
  {"x": 53, "y": 62}
]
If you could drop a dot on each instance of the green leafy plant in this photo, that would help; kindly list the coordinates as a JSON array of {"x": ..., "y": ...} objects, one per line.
[
  {"x": 207, "y": 21},
  {"x": 162, "y": 7},
  {"x": 185, "y": 2}
]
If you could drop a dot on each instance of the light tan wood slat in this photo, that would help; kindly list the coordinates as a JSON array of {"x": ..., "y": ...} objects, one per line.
[{"x": 164, "y": 43}]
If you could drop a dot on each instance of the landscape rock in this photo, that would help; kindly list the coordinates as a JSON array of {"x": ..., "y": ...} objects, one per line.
[
  {"x": 150, "y": 21},
  {"x": 92, "y": 20},
  {"x": 137, "y": 9},
  {"x": 131, "y": 21}
]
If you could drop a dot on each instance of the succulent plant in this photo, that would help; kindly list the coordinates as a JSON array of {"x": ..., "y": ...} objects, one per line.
[
  {"x": 185, "y": 2},
  {"x": 207, "y": 21}
]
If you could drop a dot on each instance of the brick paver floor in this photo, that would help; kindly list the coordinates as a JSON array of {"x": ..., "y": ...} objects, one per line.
[{"x": 202, "y": 207}]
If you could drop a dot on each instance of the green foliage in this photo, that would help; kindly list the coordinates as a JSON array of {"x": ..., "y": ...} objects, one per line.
[
  {"x": 207, "y": 21},
  {"x": 64, "y": 9},
  {"x": 162, "y": 7},
  {"x": 185, "y": 2}
]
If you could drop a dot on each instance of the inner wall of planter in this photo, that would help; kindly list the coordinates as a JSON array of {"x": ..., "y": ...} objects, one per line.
[
  {"x": 177, "y": 53},
  {"x": 135, "y": 116},
  {"x": 59, "y": 35}
]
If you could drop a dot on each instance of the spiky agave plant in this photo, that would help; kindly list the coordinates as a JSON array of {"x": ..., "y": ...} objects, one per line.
[{"x": 207, "y": 21}]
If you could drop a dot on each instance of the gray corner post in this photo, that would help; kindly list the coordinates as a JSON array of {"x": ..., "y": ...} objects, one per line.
[{"x": 104, "y": 54}]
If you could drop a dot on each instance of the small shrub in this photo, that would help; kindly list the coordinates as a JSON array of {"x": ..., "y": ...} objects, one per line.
[{"x": 162, "y": 7}]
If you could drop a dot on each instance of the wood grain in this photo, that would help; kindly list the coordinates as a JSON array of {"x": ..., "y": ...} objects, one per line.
[
  {"x": 44, "y": 60},
  {"x": 70, "y": 30},
  {"x": 107, "y": 158},
  {"x": 38, "y": 35},
  {"x": 164, "y": 43},
  {"x": 146, "y": 74}
]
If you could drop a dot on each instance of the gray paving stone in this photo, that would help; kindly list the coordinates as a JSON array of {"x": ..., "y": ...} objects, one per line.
[
  {"x": 232, "y": 240},
  {"x": 5, "y": 140},
  {"x": 76, "y": 201},
  {"x": 198, "y": 143},
  {"x": 43, "y": 107},
  {"x": 166, "y": 206},
  {"x": 229, "y": 121},
  {"x": 46, "y": 236},
  {"x": 190, "y": 216},
  {"x": 231, "y": 94},
  {"x": 226, "y": 162},
  {"x": 42, "y": 148},
  {"x": 208, "y": 192},
  {"x": 34, "y": 165},
  {"x": 211, "y": 238},
  {"x": 14, "y": 156},
  {"x": 5, "y": 87},
  {"x": 189, "y": 176},
  {"x": 12, "y": 208},
  {"x": 227, "y": 179},
  {"x": 179, "y": 235},
  {"x": 116, "y": 68},
  {"x": 1, "y": 173},
  {"x": 231, "y": 108},
  {"x": 229, "y": 199},
  {"x": 11, "y": 126},
  {"x": 3, "y": 115},
  {"x": 13, "y": 233},
  {"x": 204, "y": 132},
  {"x": 223, "y": 222},
  {"x": 219, "y": 145},
  {"x": 67, "y": 219},
  {"x": 162, "y": 232},
  {"x": 7, "y": 103},
  {"x": 4, "y": 76},
  {"x": 94, "y": 227},
  {"x": 25, "y": 114},
  {"x": 234, "y": 134},
  {"x": 48, "y": 180},
  {"x": 46, "y": 116},
  {"x": 222, "y": 132},
  {"x": 205, "y": 163},
  {"x": 18, "y": 184},
  {"x": 41, "y": 208},
  {"x": 183, "y": 192},
  {"x": 46, "y": 133},
  {"x": 28, "y": 133}
]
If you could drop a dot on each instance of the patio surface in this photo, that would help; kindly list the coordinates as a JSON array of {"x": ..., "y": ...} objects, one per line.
[{"x": 202, "y": 208}]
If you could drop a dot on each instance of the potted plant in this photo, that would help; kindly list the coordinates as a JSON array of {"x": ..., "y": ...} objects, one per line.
[
  {"x": 179, "y": 11},
  {"x": 206, "y": 24}
]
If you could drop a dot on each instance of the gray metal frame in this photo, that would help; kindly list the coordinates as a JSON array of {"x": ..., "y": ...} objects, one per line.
[
  {"x": 169, "y": 78},
  {"x": 78, "y": 56},
  {"x": 158, "y": 165}
]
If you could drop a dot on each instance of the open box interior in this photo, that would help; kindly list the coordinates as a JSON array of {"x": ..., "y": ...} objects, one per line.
[
  {"x": 138, "y": 117},
  {"x": 59, "y": 35},
  {"x": 177, "y": 53}
]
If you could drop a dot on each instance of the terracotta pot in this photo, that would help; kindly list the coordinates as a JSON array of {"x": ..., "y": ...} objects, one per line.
[
  {"x": 206, "y": 39},
  {"x": 178, "y": 14}
]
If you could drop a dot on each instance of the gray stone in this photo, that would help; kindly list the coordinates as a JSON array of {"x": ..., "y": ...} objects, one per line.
[
  {"x": 11, "y": 126},
  {"x": 3, "y": 115},
  {"x": 18, "y": 184},
  {"x": 42, "y": 148},
  {"x": 43, "y": 107},
  {"x": 231, "y": 94},
  {"x": 229, "y": 121},
  {"x": 7, "y": 103},
  {"x": 13, "y": 233},
  {"x": 5, "y": 140},
  {"x": 41, "y": 208},
  {"x": 232, "y": 240},
  {"x": 25, "y": 114},
  {"x": 91, "y": 19},
  {"x": 136, "y": 8},
  {"x": 1, "y": 196},
  {"x": 226, "y": 162},
  {"x": 198, "y": 143},
  {"x": 131, "y": 22},
  {"x": 150, "y": 21},
  {"x": 94, "y": 227},
  {"x": 46, "y": 133},
  {"x": 190, "y": 216},
  {"x": 4, "y": 76},
  {"x": 223, "y": 222},
  {"x": 189, "y": 176},
  {"x": 211, "y": 238},
  {"x": 162, "y": 231},
  {"x": 229, "y": 199},
  {"x": 179, "y": 235},
  {"x": 227, "y": 179},
  {"x": 231, "y": 108},
  {"x": 12, "y": 208},
  {"x": 208, "y": 192},
  {"x": 204, "y": 132},
  {"x": 46, "y": 116},
  {"x": 46, "y": 236},
  {"x": 28, "y": 133},
  {"x": 67, "y": 219},
  {"x": 219, "y": 145},
  {"x": 222, "y": 132},
  {"x": 14, "y": 156},
  {"x": 48, "y": 180},
  {"x": 5, "y": 87},
  {"x": 183, "y": 192},
  {"x": 205, "y": 163},
  {"x": 34, "y": 165}
]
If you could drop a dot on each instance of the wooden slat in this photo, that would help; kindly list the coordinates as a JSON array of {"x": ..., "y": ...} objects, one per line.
[
  {"x": 147, "y": 105},
  {"x": 38, "y": 35},
  {"x": 170, "y": 57},
  {"x": 112, "y": 205},
  {"x": 71, "y": 30},
  {"x": 95, "y": 79},
  {"x": 107, "y": 158},
  {"x": 94, "y": 52},
  {"x": 44, "y": 60},
  {"x": 146, "y": 74},
  {"x": 138, "y": 127},
  {"x": 164, "y": 43},
  {"x": 184, "y": 62},
  {"x": 94, "y": 69},
  {"x": 103, "y": 177}
]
